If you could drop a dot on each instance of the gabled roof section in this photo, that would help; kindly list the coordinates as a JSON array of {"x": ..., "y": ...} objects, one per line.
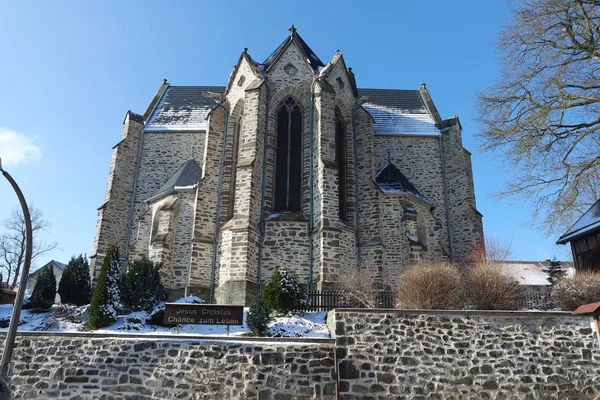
[
  {"x": 589, "y": 222},
  {"x": 390, "y": 180},
  {"x": 52, "y": 263},
  {"x": 399, "y": 112},
  {"x": 186, "y": 177},
  {"x": 306, "y": 51},
  {"x": 183, "y": 108},
  {"x": 527, "y": 273}
]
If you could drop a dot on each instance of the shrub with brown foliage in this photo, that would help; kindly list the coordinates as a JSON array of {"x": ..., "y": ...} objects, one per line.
[
  {"x": 432, "y": 286},
  {"x": 491, "y": 289},
  {"x": 583, "y": 288}
]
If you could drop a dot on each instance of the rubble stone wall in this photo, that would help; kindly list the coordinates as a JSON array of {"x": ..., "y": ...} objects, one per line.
[{"x": 464, "y": 355}]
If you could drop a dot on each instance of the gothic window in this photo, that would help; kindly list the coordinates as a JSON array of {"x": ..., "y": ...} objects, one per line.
[
  {"x": 340, "y": 159},
  {"x": 288, "y": 161},
  {"x": 234, "y": 160}
]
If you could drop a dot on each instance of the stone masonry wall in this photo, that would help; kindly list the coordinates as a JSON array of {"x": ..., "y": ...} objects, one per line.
[
  {"x": 93, "y": 366},
  {"x": 412, "y": 354}
]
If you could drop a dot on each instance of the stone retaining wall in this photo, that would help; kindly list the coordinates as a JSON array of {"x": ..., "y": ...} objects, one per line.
[
  {"x": 386, "y": 354},
  {"x": 374, "y": 354},
  {"x": 92, "y": 366}
]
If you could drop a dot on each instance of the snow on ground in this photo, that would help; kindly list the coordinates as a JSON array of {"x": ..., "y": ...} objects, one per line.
[{"x": 62, "y": 318}]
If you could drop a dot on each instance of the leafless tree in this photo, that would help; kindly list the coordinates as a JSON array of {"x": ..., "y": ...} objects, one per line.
[
  {"x": 544, "y": 112},
  {"x": 12, "y": 243},
  {"x": 359, "y": 286}
]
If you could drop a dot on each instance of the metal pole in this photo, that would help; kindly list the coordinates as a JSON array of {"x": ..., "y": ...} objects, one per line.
[{"x": 16, "y": 314}]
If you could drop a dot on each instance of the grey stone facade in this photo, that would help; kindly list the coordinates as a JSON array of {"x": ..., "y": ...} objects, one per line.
[{"x": 220, "y": 236}]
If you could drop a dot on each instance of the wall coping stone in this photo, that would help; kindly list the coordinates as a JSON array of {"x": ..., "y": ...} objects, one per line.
[
  {"x": 467, "y": 313},
  {"x": 180, "y": 337}
]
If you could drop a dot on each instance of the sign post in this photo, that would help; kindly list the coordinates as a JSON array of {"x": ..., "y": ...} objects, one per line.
[{"x": 203, "y": 314}]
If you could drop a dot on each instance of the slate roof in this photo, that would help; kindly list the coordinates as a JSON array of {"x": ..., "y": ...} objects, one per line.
[
  {"x": 55, "y": 263},
  {"x": 307, "y": 52},
  {"x": 399, "y": 112},
  {"x": 396, "y": 112},
  {"x": 391, "y": 180},
  {"x": 527, "y": 273},
  {"x": 183, "y": 108},
  {"x": 589, "y": 222},
  {"x": 185, "y": 178}
]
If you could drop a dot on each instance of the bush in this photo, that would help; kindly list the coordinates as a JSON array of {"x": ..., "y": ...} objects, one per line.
[
  {"x": 258, "y": 317},
  {"x": 157, "y": 318},
  {"x": 491, "y": 289},
  {"x": 105, "y": 300},
  {"x": 434, "y": 286},
  {"x": 44, "y": 290},
  {"x": 583, "y": 288},
  {"x": 141, "y": 288},
  {"x": 75, "y": 285},
  {"x": 283, "y": 293}
]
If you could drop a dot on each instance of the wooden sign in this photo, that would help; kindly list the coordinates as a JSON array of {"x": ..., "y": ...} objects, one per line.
[{"x": 203, "y": 314}]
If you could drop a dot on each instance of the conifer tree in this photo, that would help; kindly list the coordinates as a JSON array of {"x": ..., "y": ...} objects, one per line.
[
  {"x": 44, "y": 290},
  {"x": 141, "y": 288},
  {"x": 75, "y": 285},
  {"x": 283, "y": 293},
  {"x": 105, "y": 300},
  {"x": 258, "y": 317}
]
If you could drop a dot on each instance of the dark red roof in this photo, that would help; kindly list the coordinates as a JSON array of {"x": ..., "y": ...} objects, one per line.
[{"x": 588, "y": 309}]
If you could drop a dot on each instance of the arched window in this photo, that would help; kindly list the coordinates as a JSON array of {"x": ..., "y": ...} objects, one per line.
[
  {"x": 288, "y": 162},
  {"x": 234, "y": 160},
  {"x": 340, "y": 159}
]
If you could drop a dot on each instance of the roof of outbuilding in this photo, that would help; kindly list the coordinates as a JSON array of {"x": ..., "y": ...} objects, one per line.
[
  {"x": 390, "y": 180},
  {"x": 527, "y": 273},
  {"x": 589, "y": 222},
  {"x": 185, "y": 178},
  {"x": 54, "y": 263},
  {"x": 183, "y": 108},
  {"x": 396, "y": 112}
]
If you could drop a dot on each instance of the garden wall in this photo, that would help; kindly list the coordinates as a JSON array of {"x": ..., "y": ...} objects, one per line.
[
  {"x": 379, "y": 354},
  {"x": 464, "y": 355}
]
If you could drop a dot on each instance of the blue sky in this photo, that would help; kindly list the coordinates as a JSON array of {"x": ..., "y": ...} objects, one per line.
[{"x": 70, "y": 70}]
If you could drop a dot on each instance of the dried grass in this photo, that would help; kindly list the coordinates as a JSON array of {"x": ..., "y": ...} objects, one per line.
[
  {"x": 491, "y": 289},
  {"x": 432, "y": 286},
  {"x": 583, "y": 288}
]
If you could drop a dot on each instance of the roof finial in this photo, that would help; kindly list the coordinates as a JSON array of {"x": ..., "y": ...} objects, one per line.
[
  {"x": 292, "y": 29},
  {"x": 389, "y": 157},
  {"x": 423, "y": 85},
  {"x": 246, "y": 50},
  {"x": 164, "y": 81},
  {"x": 192, "y": 154}
]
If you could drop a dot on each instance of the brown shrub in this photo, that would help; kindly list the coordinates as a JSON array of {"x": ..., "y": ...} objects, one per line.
[
  {"x": 433, "y": 286},
  {"x": 358, "y": 286},
  {"x": 583, "y": 288},
  {"x": 492, "y": 289}
]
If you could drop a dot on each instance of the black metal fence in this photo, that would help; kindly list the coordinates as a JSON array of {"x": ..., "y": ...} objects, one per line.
[{"x": 326, "y": 300}]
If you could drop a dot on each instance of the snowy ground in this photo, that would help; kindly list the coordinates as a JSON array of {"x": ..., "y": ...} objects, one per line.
[{"x": 62, "y": 318}]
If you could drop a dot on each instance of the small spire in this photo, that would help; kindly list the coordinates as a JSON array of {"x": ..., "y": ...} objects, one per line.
[
  {"x": 423, "y": 85},
  {"x": 192, "y": 154},
  {"x": 292, "y": 29},
  {"x": 164, "y": 81},
  {"x": 246, "y": 50},
  {"x": 389, "y": 157}
]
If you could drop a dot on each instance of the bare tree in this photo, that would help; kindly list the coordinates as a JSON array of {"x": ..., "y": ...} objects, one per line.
[
  {"x": 12, "y": 243},
  {"x": 544, "y": 112},
  {"x": 359, "y": 286}
]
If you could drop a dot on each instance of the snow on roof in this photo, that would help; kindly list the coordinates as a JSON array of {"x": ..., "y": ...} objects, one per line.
[
  {"x": 588, "y": 222},
  {"x": 183, "y": 108},
  {"x": 397, "y": 121},
  {"x": 185, "y": 178},
  {"x": 528, "y": 273}
]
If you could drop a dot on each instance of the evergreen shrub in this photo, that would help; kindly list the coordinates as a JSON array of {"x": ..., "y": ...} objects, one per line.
[
  {"x": 44, "y": 290},
  {"x": 283, "y": 293},
  {"x": 105, "y": 300},
  {"x": 141, "y": 286},
  {"x": 75, "y": 284},
  {"x": 258, "y": 317}
]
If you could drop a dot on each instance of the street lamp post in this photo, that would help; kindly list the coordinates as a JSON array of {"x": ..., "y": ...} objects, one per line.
[{"x": 16, "y": 313}]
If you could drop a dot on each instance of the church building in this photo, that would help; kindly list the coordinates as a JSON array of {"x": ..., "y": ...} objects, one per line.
[{"x": 288, "y": 165}]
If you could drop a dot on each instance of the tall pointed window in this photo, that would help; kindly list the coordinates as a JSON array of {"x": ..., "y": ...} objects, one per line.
[
  {"x": 234, "y": 161},
  {"x": 340, "y": 159},
  {"x": 288, "y": 164}
]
